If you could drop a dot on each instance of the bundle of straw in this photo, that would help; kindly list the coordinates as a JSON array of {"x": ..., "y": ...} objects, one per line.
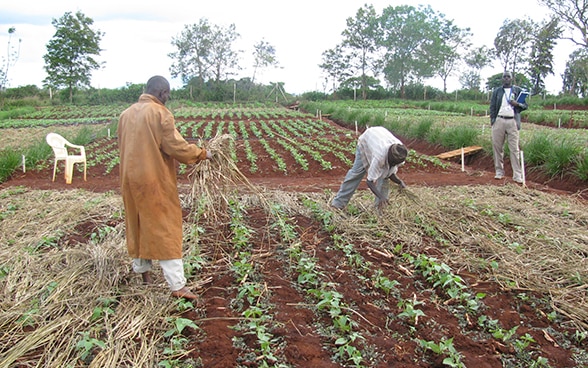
[{"x": 215, "y": 181}]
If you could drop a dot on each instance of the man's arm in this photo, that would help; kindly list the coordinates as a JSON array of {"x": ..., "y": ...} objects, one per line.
[
  {"x": 374, "y": 189},
  {"x": 397, "y": 180},
  {"x": 493, "y": 106}
]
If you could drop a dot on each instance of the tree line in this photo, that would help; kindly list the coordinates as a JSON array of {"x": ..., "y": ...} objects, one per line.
[
  {"x": 387, "y": 54},
  {"x": 406, "y": 45}
]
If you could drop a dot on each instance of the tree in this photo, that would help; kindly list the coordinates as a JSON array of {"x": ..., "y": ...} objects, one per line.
[
  {"x": 575, "y": 78},
  {"x": 360, "y": 41},
  {"x": 476, "y": 60},
  {"x": 193, "y": 49},
  {"x": 264, "y": 56},
  {"x": 496, "y": 81},
  {"x": 541, "y": 57},
  {"x": 204, "y": 51},
  {"x": 337, "y": 65},
  {"x": 69, "y": 61},
  {"x": 225, "y": 60},
  {"x": 9, "y": 60},
  {"x": 454, "y": 42},
  {"x": 512, "y": 43},
  {"x": 574, "y": 14},
  {"x": 411, "y": 38}
]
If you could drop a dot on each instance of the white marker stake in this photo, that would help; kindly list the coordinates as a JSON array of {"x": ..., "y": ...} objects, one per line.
[
  {"x": 24, "y": 169},
  {"x": 108, "y": 132},
  {"x": 523, "y": 166},
  {"x": 462, "y": 163},
  {"x": 356, "y": 131}
]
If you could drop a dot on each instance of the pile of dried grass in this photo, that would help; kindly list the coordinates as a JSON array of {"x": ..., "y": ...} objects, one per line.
[
  {"x": 538, "y": 240},
  {"x": 215, "y": 181},
  {"x": 49, "y": 289}
]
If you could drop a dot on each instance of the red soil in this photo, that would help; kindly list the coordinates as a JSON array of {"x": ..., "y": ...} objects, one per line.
[{"x": 391, "y": 339}]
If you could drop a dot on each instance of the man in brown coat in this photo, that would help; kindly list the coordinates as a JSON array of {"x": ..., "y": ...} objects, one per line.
[{"x": 149, "y": 147}]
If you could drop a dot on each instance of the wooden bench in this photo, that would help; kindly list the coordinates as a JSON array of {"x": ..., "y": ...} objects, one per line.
[{"x": 457, "y": 153}]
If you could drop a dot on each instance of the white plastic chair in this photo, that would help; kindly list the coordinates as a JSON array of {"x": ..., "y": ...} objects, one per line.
[{"x": 59, "y": 145}]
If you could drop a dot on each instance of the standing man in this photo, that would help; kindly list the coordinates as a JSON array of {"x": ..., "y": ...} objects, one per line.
[
  {"x": 505, "y": 118},
  {"x": 379, "y": 153},
  {"x": 149, "y": 147}
]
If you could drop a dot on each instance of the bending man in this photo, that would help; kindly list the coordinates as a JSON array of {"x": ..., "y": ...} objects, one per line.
[{"x": 379, "y": 153}]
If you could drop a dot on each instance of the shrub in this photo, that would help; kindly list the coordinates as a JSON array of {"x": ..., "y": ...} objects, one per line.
[
  {"x": 537, "y": 149},
  {"x": 581, "y": 162},
  {"x": 9, "y": 161},
  {"x": 422, "y": 128},
  {"x": 459, "y": 136},
  {"x": 561, "y": 157}
]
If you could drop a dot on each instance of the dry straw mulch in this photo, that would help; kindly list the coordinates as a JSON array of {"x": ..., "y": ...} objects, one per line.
[
  {"x": 217, "y": 181},
  {"x": 538, "y": 241},
  {"x": 49, "y": 289}
]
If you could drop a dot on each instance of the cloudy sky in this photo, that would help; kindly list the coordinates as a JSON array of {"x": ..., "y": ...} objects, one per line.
[{"x": 138, "y": 34}]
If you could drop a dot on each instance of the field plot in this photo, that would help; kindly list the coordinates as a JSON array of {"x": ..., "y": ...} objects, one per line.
[{"x": 465, "y": 271}]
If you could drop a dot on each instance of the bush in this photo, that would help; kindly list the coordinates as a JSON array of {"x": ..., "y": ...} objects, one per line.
[
  {"x": 537, "y": 149},
  {"x": 459, "y": 136},
  {"x": 15, "y": 113},
  {"x": 561, "y": 157},
  {"x": 581, "y": 162},
  {"x": 422, "y": 129},
  {"x": 9, "y": 161}
]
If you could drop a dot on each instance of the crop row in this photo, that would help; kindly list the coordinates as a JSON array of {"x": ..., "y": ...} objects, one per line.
[
  {"x": 293, "y": 145},
  {"x": 303, "y": 140},
  {"x": 343, "y": 330},
  {"x": 553, "y": 152}
]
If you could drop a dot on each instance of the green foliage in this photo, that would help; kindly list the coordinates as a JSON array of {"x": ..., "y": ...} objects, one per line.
[
  {"x": 561, "y": 157},
  {"x": 409, "y": 310},
  {"x": 70, "y": 53},
  {"x": 21, "y": 96},
  {"x": 178, "y": 326},
  {"x": 9, "y": 161},
  {"x": 444, "y": 347},
  {"x": 412, "y": 40},
  {"x": 87, "y": 345},
  {"x": 422, "y": 128},
  {"x": 14, "y": 113},
  {"x": 204, "y": 51},
  {"x": 537, "y": 149},
  {"x": 104, "y": 309},
  {"x": 459, "y": 136},
  {"x": 581, "y": 163},
  {"x": 575, "y": 75}
]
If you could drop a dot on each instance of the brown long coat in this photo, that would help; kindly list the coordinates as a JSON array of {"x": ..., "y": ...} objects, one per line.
[{"x": 149, "y": 147}]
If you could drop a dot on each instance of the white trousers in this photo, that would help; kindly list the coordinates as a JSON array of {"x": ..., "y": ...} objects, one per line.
[{"x": 173, "y": 271}]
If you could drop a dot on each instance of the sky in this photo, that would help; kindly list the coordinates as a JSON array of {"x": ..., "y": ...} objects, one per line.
[{"x": 138, "y": 34}]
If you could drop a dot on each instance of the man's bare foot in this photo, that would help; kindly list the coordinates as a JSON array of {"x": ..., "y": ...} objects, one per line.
[
  {"x": 184, "y": 293},
  {"x": 147, "y": 279}
]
